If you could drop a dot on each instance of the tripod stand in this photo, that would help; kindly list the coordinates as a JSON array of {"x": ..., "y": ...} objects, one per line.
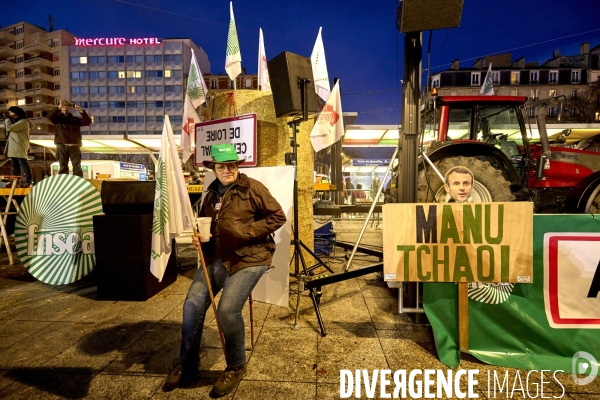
[{"x": 298, "y": 256}]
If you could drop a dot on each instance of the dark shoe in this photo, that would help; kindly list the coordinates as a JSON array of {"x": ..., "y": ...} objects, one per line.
[
  {"x": 179, "y": 377},
  {"x": 228, "y": 381}
]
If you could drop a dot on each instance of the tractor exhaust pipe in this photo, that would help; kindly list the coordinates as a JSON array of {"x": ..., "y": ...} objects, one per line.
[{"x": 545, "y": 156}]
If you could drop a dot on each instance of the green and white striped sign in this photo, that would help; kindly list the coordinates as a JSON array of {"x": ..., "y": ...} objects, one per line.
[{"x": 54, "y": 233}]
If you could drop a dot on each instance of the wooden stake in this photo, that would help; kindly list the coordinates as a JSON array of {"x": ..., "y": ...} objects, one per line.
[{"x": 463, "y": 316}]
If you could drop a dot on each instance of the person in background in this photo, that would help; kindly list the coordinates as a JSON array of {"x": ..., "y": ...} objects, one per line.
[
  {"x": 349, "y": 193},
  {"x": 459, "y": 184},
  {"x": 18, "y": 127},
  {"x": 240, "y": 249},
  {"x": 67, "y": 136}
]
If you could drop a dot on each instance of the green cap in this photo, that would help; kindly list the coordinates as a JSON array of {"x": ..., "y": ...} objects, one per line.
[{"x": 223, "y": 153}]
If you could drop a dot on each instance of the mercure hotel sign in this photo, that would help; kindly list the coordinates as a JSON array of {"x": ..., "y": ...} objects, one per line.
[{"x": 115, "y": 41}]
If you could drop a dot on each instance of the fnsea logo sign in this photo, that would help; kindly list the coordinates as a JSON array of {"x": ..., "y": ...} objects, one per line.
[{"x": 54, "y": 232}]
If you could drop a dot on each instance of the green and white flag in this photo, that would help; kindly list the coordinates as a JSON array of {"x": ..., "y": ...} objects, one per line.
[
  {"x": 196, "y": 87},
  {"x": 233, "y": 60},
  {"x": 319, "y": 68},
  {"x": 487, "y": 89},
  {"x": 172, "y": 208}
]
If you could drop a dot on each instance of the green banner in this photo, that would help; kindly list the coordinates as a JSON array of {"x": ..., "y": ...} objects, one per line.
[{"x": 531, "y": 326}]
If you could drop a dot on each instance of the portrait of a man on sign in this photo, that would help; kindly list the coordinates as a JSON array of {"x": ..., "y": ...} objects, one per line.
[{"x": 458, "y": 183}]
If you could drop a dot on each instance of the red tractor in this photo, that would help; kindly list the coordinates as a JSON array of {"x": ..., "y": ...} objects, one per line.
[{"x": 509, "y": 160}]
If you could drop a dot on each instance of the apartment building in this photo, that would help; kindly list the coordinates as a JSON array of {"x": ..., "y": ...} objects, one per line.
[
  {"x": 561, "y": 75},
  {"x": 34, "y": 68}
]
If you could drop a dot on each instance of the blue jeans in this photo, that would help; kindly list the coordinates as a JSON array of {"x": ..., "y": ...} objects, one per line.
[
  {"x": 17, "y": 164},
  {"x": 236, "y": 290}
]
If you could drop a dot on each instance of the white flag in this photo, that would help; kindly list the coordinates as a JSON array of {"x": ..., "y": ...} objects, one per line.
[
  {"x": 264, "y": 83},
  {"x": 196, "y": 87},
  {"x": 233, "y": 60},
  {"x": 329, "y": 123},
  {"x": 172, "y": 208},
  {"x": 190, "y": 119},
  {"x": 487, "y": 89},
  {"x": 319, "y": 69}
]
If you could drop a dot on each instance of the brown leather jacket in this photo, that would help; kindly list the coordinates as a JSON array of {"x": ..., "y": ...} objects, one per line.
[{"x": 246, "y": 204}]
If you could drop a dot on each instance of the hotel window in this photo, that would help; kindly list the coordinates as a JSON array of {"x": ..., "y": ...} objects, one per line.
[
  {"x": 174, "y": 103},
  {"x": 19, "y": 44},
  {"x": 248, "y": 83},
  {"x": 531, "y": 112},
  {"x": 116, "y": 104},
  {"x": 154, "y": 89},
  {"x": 514, "y": 78},
  {"x": 575, "y": 75},
  {"x": 121, "y": 74},
  {"x": 213, "y": 84},
  {"x": 20, "y": 73},
  {"x": 176, "y": 118},
  {"x": 55, "y": 43},
  {"x": 533, "y": 76},
  {"x": 97, "y": 59},
  {"x": 19, "y": 59},
  {"x": 112, "y": 74},
  {"x": 138, "y": 59},
  {"x": 98, "y": 89},
  {"x": 79, "y": 75},
  {"x": 552, "y": 93},
  {"x": 56, "y": 101},
  {"x": 134, "y": 74},
  {"x": 79, "y": 89},
  {"x": 154, "y": 58},
  {"x": 173, "y": 73},
  {"x": 172, "y": 88},
  {"x": 56, "y": 72},
  {"x": 135, "y": 119},
  {"x": 57, "y": 86},
  {"x": 116, "y": 59},
  {"x": 135, "y": 104},
  {"x": 154, "y": 73},
  {"x": 475, "y": 78},
  {"x": 135, "y": 89},
  {"x": 98, "y": 104},
  {"x": 19, "y": 30},
  {"x": 55, "y": 57},
  {"x": 158, "y": 104},
  {"x": 551, "y": 112},
  {"x": 553, "y": 77},
  {"x": 97, "y": 74},
  {"x": 117, "y": 119},
  {"x": 173, "y": 57},
  {"x": 150, "y": 119},
  {"x": 102, "y": 120},
  {"x": 116, "y": 89},
  {"x": 21, "y": 102}
]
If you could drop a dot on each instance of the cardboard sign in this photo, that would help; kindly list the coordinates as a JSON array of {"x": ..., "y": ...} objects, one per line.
[
  {"x": 458, "y": 242},
  {"x": 239, "y": 131}
]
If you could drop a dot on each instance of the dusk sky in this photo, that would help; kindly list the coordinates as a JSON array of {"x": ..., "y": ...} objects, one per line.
[{"x": 362, "y": 46}]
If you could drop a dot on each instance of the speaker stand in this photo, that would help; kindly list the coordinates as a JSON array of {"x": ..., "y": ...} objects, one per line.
[{"x": 298, "y": 257}]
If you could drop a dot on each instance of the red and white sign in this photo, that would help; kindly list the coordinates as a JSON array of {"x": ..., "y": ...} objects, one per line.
[
  {"x": 239, "y": 131},
  {"x": 570, "y": 263}
]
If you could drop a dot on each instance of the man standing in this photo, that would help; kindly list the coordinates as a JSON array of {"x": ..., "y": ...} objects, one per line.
[
  {"x": 67, "y": 136},
  {"x": 240, "y": 249},
  {"x": 459, "y": 184}
]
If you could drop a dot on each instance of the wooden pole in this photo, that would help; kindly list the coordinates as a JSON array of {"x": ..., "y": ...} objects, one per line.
[
  {"x": 210, "y": 292},
  {"x": 251, "y": 322},
  {"x": 463, "y": 316}
]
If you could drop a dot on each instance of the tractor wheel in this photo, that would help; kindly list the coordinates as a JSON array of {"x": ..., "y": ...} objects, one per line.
[{"x": 490, "y": 185}]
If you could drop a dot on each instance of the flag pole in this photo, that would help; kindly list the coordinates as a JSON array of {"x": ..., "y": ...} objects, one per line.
[{"x": 210, "y": 292}]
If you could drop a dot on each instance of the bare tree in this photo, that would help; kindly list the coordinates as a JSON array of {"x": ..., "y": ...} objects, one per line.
[{"x": 585, "y": 107}]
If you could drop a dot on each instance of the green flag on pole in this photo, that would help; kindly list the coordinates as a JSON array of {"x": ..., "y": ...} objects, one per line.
[
  {"x": 487, "y": 89},
  {"x": 233, "y": 59}
]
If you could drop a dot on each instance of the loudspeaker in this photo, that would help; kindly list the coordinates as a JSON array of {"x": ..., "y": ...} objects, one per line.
[
  {"x": 424, "y": 15},
  {"x": 284, "y": 71},
  {"x": 128, "y": 197}
]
